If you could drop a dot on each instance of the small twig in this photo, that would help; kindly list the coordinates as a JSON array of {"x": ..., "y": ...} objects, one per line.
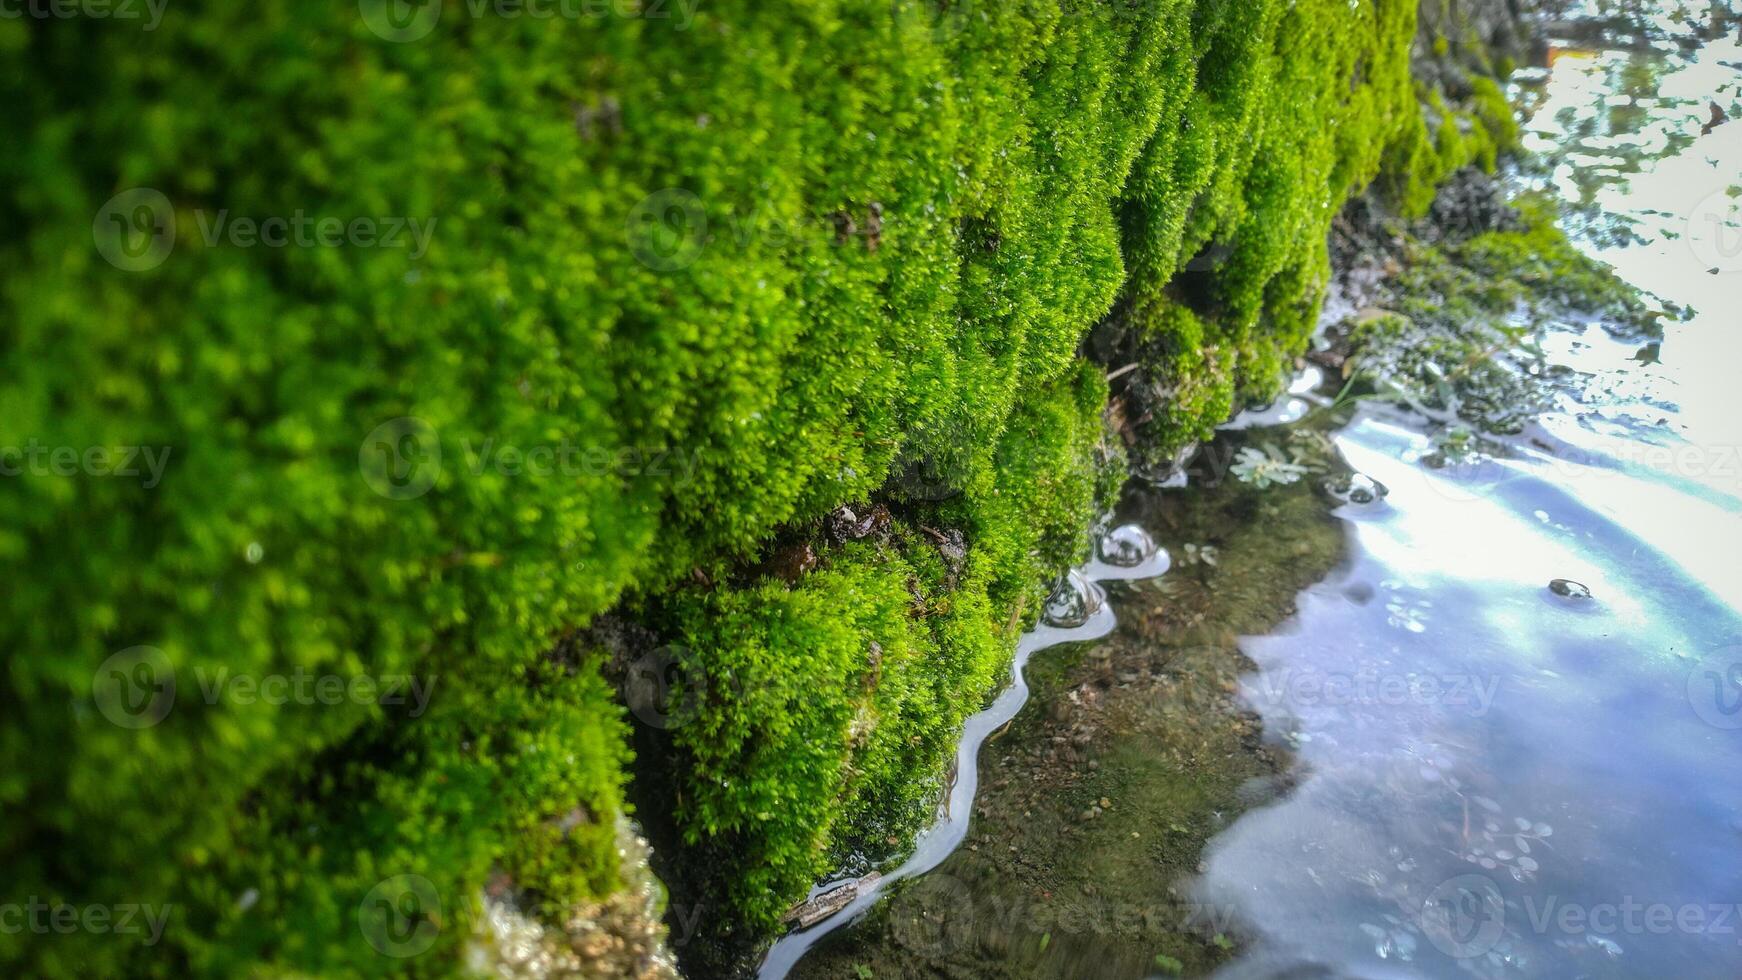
[{"x": 1127, "y": 369}]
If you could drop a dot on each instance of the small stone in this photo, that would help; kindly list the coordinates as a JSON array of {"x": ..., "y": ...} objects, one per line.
[
  {"x": 1106, "y": 804},
  {"x": 1357, "y": 488},
  {"x": 1569, "y": 589}
]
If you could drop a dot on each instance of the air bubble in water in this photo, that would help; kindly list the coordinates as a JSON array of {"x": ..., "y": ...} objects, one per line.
[
  {"x": 1073, "y": 601},
  {"x": 1126, "y": 546}
]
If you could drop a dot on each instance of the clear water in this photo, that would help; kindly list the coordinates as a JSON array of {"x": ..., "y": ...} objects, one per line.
[{"x": 1499, "y": 780}]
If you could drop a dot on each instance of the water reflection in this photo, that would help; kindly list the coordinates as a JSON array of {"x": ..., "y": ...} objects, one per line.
[
  {"x": 1518, "y": 708},
  {"x": 1456, "y": 717}
]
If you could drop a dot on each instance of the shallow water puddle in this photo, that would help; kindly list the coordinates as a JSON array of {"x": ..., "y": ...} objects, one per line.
[
  {"x": 1500, "y": 778},
  {"x": 1496, "y": 778}
]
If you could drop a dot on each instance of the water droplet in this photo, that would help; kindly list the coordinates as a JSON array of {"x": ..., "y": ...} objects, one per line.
[{"x": 254, "y": 553}]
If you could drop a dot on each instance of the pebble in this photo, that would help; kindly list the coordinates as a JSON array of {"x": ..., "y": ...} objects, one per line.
[
  {"x": 1567, "y": 588},
  {"x": 1357, "y": 488}
]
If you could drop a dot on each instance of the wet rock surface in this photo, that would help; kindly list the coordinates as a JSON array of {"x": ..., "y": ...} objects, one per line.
[
  {"x": 1356, "y": 488},
  {"x": 620, "y": 937}
]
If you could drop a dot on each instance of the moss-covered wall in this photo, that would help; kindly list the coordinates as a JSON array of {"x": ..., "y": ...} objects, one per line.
[{"x": 672, "y": 283}]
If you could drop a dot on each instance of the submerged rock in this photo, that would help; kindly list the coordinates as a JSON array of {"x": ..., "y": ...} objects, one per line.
[
  {"x": 1357, "y": 488},
  {"x": 814, "y": 910},
  {"x": 1569, "y": 589},
  {"x": 852, "y": 524},
  {"x": 619, "y": 936},
  {"x": 1073, "y": 601}
]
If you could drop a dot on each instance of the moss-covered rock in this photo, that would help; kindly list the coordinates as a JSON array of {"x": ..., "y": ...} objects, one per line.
[
  {"x": 1277, "y": 114},
  {"x": 1456, "y": 332},
  {"x": 451, "y": 333}
]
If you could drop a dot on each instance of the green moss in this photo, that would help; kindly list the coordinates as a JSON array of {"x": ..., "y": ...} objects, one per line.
[
  {"x": 1466, "y": 315},
  {"x": 632, "y": 272},
  {"x": 1287, "y": 110},
  {"x": 825, "y": 711}
]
